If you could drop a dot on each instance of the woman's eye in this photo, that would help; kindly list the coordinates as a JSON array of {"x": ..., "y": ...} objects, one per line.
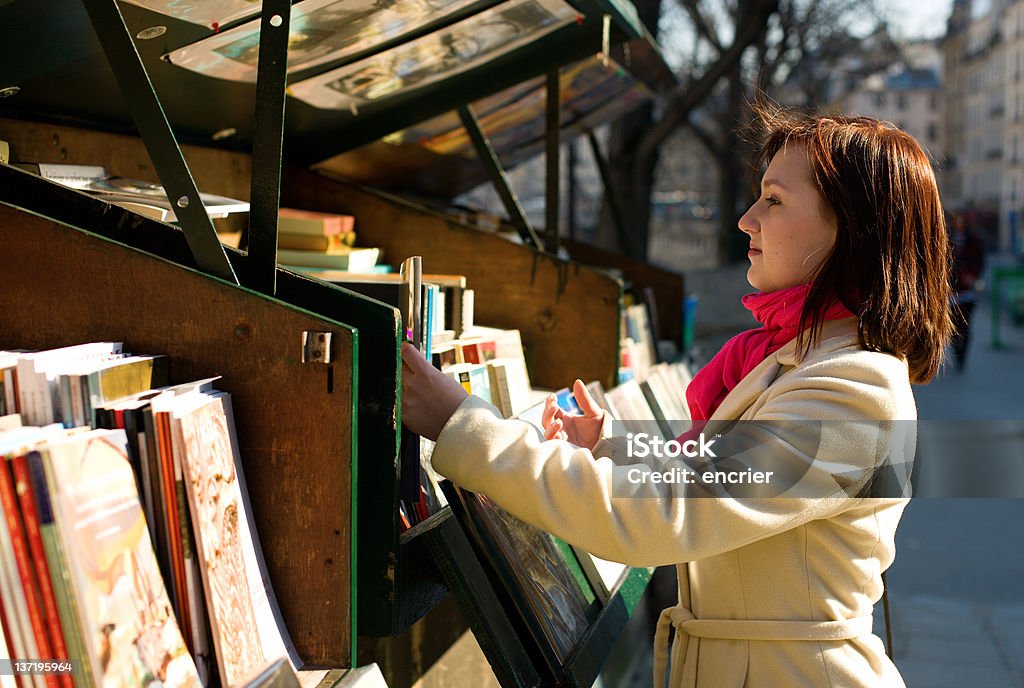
[{"x": 771, "y": 200}]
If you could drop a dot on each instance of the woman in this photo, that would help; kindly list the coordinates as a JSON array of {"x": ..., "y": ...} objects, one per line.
[{"x": 848, "y": 251}]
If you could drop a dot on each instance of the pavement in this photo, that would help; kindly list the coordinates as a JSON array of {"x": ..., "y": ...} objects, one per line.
[{"x": 956, "y": 588}]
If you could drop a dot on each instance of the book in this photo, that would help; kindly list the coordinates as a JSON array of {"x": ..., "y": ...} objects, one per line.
[
  {"x": 473, "y": 377},
  {"x": 499, "y": 387},
  {"x": 37, "y": 385},
  {"x": 340, "y": 258},
  {"x": 91, "y": 384},
  {"x": 508, "y": 347},
  {"x": 628, "y": 406},
  {"x": 25, "y": 494},
  {"x": 604, "y": 576},
  {"x": 277, "y": 674},
  {"x": 60, "y": 575},
  {"x": 131, "y": 636},
  {"x": 246, "y": 624},
  {"x": 181, "y": 545},
  {"x": 23, "y": 580},
  {"x": 313, "y": 224},
  {"x": 9, "y": 377},
  {"x": 308, "y": 242}
]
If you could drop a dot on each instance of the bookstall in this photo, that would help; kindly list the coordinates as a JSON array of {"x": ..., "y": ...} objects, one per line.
[{"x": 319, "y": 431}]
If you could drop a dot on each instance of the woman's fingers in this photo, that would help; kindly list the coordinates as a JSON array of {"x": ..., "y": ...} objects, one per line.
[
  {"x": 550, "y": 409},
  {"x": 585, "y": 401},
  {"x": 413, "y": 359},
  {"x": 554, "y": 430}
]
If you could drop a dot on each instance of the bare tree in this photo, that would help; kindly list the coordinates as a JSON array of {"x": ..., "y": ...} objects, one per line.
[
  {"x": 635, "y": 140},
  {"x": 786, "y": 49}
]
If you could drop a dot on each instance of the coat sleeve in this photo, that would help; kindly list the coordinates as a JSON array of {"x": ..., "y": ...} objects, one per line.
[{"x": 591, "y": 502}]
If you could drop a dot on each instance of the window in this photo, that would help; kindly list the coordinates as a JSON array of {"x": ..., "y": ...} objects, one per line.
[
  {"x": 880, "y": 99},
  {"x": 933, "y": 102},
  {"x": 933, "y": 133},
  {"x": 901, "y": 102}
]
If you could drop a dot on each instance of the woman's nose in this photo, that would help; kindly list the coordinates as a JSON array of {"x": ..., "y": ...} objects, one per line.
[{"x": 748, "y": 223}]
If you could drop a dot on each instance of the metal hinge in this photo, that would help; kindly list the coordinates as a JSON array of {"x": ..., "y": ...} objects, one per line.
[{"x": 316, "y": 347}]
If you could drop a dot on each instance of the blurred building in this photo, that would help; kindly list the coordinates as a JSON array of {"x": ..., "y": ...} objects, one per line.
[
  {"x": 909, "y": 97},
  {"x": 983, "y": 127}
]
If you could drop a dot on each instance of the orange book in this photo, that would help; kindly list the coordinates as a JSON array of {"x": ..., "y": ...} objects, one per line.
[
  {"x": 312, "y": 223},
  {"x": 28, "y": 582},
  {"x": 30, "y": 512}
]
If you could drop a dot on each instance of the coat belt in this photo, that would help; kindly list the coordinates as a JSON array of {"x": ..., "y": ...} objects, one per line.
[{"x": 687, "y": 625}]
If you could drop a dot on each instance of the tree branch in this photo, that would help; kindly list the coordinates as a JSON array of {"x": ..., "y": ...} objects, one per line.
[
  {"x": 682, "y": 102},
  {"x": 704, "y": 27}
]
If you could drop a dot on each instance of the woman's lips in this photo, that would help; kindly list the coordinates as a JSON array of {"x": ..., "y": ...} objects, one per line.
[{"x": 754, "y": 252}]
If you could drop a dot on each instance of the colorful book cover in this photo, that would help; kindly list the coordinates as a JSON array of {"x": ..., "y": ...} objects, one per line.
[
  {"x": 248, "y": 632},
  {"x": 132, "y": 637}
]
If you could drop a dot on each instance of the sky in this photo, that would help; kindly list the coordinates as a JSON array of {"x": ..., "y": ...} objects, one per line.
[{"x": 918, "y": 18}]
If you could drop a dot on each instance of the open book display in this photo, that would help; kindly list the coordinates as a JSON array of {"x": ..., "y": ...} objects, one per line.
[
  {"x": 320, "y": 32},
  {"x": 436, "y": 56},
  {"x": 145, "y": 198},
  {"x": 538, "y": 573}
]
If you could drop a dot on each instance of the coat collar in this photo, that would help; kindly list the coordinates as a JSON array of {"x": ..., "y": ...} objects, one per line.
[{"x": 835, "y": 335}]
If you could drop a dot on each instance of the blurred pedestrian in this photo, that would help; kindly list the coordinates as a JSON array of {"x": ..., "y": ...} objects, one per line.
[{"x": 968, "y": 264}]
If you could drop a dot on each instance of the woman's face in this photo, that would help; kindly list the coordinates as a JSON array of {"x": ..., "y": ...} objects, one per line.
[{"x": 791, "y": 227}]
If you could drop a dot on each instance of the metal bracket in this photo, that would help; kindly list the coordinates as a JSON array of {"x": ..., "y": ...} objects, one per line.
[
  {"x": 553, "y": 131},
  {"x": 267, "y": 146},
  {"x": 609, "y": 195},
  {"x": 146, "y": 111},
  {"x": 316, "y": 347},
  {"x": 490, "y": 161}
]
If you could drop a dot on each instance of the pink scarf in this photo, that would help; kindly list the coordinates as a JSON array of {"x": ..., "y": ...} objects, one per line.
[{"x": 779, "y": 313}]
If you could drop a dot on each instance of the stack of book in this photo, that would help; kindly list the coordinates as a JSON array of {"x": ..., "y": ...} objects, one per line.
[
  {"x": 490, "y": 363},
  {"x": 310, "y": 241},
  {"x": 128, "y": 546}
]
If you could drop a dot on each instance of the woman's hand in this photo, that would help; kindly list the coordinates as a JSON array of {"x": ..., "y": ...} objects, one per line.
[
  {"x": 429, "y": 397},
  {"x": 583, "y": 431}
]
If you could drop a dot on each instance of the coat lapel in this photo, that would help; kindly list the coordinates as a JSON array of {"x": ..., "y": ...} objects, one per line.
[{"x": 836, "y": 334}]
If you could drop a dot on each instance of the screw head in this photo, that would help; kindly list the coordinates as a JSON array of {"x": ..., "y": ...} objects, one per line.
[{"x": 151, "y": 32}]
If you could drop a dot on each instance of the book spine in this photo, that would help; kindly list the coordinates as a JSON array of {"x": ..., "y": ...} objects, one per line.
[
  {"x": 193, "y": 583},
  {"x": 60, "y": 578},
  {"x": 146, "y": 481},
  {"x": 30, "y": 512},
  {"x": 20, "y": 638},
  {"x": 11, "y": 389},
  {"x": 19, "y": 546},
  {"x": 173, "y": 523},
  {"x": 161, "y": 543}
]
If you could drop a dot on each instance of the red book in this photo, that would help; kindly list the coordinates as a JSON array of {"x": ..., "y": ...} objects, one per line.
[
  {"x": 479, "y": 352},
  {"x": 30, "y": 513},
  {"x": 28, "y": 582}
]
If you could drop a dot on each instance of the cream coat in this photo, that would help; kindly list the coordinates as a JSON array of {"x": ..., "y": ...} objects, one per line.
[{"x": 773, "y": 592}]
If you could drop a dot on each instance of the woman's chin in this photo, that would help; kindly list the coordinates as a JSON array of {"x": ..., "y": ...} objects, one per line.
[{"x": 753, "y": 278}]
